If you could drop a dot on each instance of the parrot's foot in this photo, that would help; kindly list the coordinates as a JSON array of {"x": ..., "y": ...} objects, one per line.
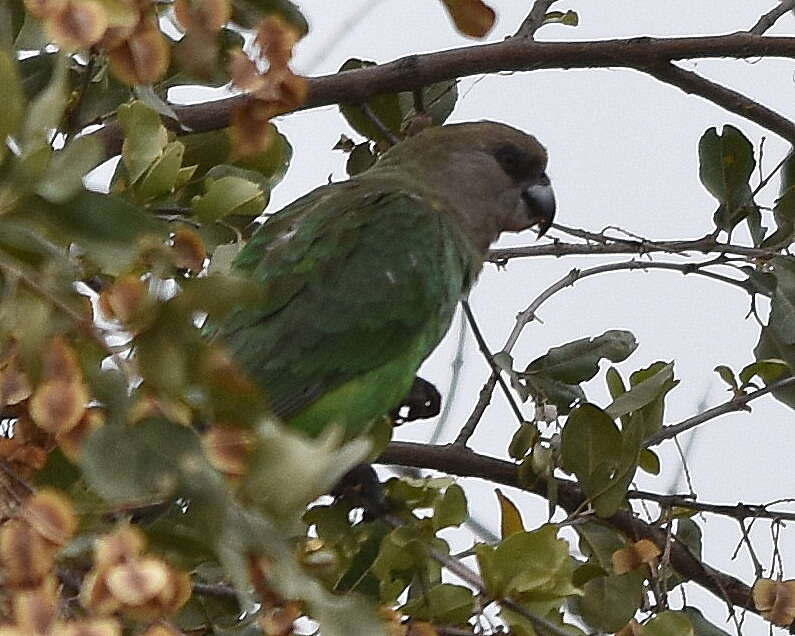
[
  {"x": 422, "y": 402},
  {"x": 361, "y": 484}
]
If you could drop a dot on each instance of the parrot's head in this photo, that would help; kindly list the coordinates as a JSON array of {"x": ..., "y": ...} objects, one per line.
[{"x": 493, "y": 175}]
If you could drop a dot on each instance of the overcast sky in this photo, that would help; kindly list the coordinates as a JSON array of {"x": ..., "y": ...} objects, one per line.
[{"x": 623, "y": 152}]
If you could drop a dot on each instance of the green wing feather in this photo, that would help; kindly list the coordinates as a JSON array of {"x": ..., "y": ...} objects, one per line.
[{"x": 361, "y": 282}]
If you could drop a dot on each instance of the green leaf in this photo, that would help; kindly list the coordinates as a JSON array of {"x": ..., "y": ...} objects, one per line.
[
  {"x": 782, "y": 307},
  {"x": 578, "y": 361},
  {"x": 46, "y": 110},
  {"x": 609, "y": 602},
  {"x": 784, "y": 208},
  {"x": 393, "y": 109},
  {"x": 590, "y": 438},
  {"x": 649, "y": 461},
  {"x": 36, "y": 72},
  {"x": 727, "y": 375},
  {"x": 161, "y": 177},
  {"x": 668, "y": 624},
  {"x": 209, "y": 150},
  {"x": 359, "y": 159},
  {"x": 701, "y": 626},
  {"x": 534, "y": 567},
  {"x": 13, "y": 100},
  {"x": 770, "y": 346},
  {"x": 570, "y": 18},
  {"x": 603, "y": 459},
  {"x": 446, "y": 604},
  {"x": 249, "y": 13},
  {"x": 228, "y": 195},
  {"x": 386, "y": 107},
  {"x": 438, "y": 100},
  {"x": 726, "y": 163},
  {"x": 144, "y": 138},
  {"x": 643, "y": 393},
  {"x": 12, "y": 16},
  {"x": 146, "y": 95},
  {"x": 451, "y": 508},
  {"x": 287, "y": 470},
  {"x": 769, "y": 370},
  {"x": 161, "y": 460},
  {"x": 64, "y": 177}
]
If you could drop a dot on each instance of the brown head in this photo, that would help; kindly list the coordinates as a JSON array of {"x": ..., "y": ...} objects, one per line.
[{"x": 490, "y": 175}]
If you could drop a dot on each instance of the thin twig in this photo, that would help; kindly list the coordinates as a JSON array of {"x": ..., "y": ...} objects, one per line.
[
  {"x": 738, "y": 511},
  {"x": 381, "y": 126},
  {"x": 467, "y": 431},
  {"x": 534, "y": 19},
  {"x": 609, "y": 245},
  {"x": 735, "y": 404},
  {"x": 771, "y": 17},
  {"x": 529, "y": 314}
]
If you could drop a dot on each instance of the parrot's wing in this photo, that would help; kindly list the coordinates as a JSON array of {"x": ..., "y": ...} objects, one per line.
[{"x": 355, "y": 277}]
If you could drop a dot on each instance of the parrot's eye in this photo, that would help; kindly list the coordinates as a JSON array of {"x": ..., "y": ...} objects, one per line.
[{"x": 513, "y": 160}]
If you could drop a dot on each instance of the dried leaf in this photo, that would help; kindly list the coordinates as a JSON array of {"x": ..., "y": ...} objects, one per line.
[
  {"x": 472, "y": 17},
  {"x": 142, "y": 58},
  {"x": 228, "y": 449},
  {"x": 52, "y": 515},
  {"x": 137, "y": 581},
  {"x": 189, "y": 251},
  {"x": 58, "y": 405},
  {"x": 634, "y": 555},
  {"x": 775, "y": 600},
  {"x": 202, "y": 15},
  {"x": 510, "y": 517},
  {"x": 24, "y": 554},
  {"x": 80, "y": 24}
]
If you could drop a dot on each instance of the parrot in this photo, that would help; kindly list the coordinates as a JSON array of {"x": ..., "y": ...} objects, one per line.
[{"x": 361, "y": 278}]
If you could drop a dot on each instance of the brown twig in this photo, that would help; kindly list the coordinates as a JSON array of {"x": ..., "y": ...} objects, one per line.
[
  {"x": 726, "y": 98},
  {"x": 738, "y": 511},
  {"x": 771, "y": 17},
  {"x": 737, "y": 403},
  {"x": 534, "y": 19},
  {"x": 514, "y": 54},
  {"x": 610, "y": 245}
]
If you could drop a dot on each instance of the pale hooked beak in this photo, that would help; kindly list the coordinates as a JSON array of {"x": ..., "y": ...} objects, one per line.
[{"x": 540, "y": 201}]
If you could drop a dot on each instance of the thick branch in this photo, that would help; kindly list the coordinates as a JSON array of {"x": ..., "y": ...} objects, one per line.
[
  {"x": 514, "y": 54},
  {"x": 726, "y": 98},
  {"x": 458, "y": 460}
]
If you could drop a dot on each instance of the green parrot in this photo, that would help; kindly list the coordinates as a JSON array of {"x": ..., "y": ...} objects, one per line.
[{"x": 361, "y": 278}]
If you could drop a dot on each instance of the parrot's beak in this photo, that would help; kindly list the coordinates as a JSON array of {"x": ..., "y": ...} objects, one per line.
[{"x": 540, "y": 201}]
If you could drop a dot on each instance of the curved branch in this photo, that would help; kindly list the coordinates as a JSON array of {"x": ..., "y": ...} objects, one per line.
[
  {"x": 513, "y": 54},
  {"x": 461, "y": 461},
  {"x": 529, "y": 314}
]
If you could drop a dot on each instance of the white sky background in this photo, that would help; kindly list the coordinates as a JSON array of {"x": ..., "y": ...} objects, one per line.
[{"x": 623, "y": 152}]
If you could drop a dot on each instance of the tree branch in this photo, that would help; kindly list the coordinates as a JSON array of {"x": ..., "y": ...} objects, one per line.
[
  {"x": 771, "y": 17},
  {"x": 726, "y": 98},
  {"x": 609, "y": 245},
  {"x": 513, "y": 54},
  {"x": 735, "y": 404},
  {"x": 461, "y": 461},
  {"x": 534, "y": 19},
  {"x": 739, "y": 511}
]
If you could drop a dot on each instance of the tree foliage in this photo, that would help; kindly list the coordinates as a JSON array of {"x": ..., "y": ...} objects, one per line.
[{"x": 146, "y": 489}]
